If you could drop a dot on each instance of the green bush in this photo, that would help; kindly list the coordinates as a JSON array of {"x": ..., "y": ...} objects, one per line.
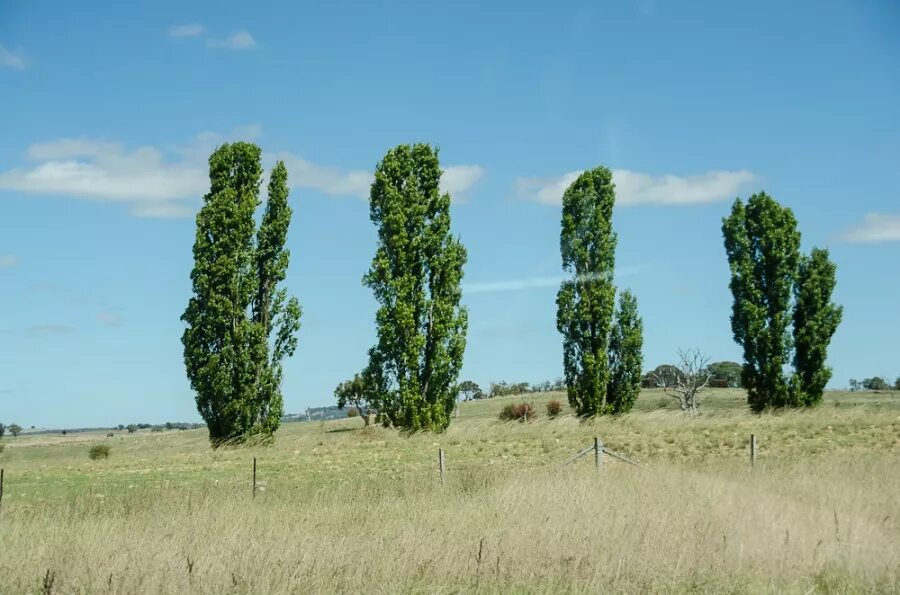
[
  {"x": 514, "y": 411},
  {"x": 99, "y": 451},
  {"x": 554, "y": 407},
  {"x": 353, "y": 412}
]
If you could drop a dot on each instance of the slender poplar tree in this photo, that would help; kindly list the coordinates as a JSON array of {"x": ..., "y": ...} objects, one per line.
[
  {"x": 626, "y": 359},
  {"x": 763, "y": 249},
  {"x": 415, "y": 276},
  {"x": 236, "y": 304},
  {"x": 585, "y": 303},
  {"x": 816, "y": 318}
]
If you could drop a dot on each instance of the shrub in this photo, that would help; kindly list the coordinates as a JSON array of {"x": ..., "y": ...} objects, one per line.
[
  {"x": 513, "y": 411},
  {"x": 99, "y": 451},
  {"x": 353, "y": 412},
  {"x": 110, "y": 435},
  {"x": 2, "y": 446},
  {"x": 553, "y": 408}
]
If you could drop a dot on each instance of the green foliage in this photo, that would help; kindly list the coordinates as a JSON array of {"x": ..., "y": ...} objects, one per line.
[
  {"x": 662, "y": 376},
  {"x": 816, "y": 318},
  {"x": 99, "y": 451},
  {"x": 585, "y": 303},
  {"x": 2, "y": 430},
  {"x": 2, "y": 446},
  {"x": 131, "y": 428},
  {"x": 15, "y": 430},
  {"x": 469, "y": 390},
  {"x": 763, "y": 248},
  {"x": 724, "y": 374},
  {"x": 233, "y": 361},
  {"x": 625, "y": 356},
  {"x": 554, "y": 408},
  {"x": 415, "y": 276},
  {"x": 897, "y": 383},
  {"x": 514, "y": 411},
  {"x": 358, "y": 394},
  {"x": 874, "y": 383}
]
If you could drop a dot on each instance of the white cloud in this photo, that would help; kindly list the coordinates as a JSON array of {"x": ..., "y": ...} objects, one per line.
[
  {"x": 8, "y": 261},
  {"x": 328, "y": 180},
  {"x": 240, "y": 40},
  {"x": 458, "y": 179},
  {"x": 333, "y": 181},
  {"x": 12, "y": 60},
  {"x": 166, "y": 185},
  {"x": 875, "y": 228},
  {"x": 107, "y": 172},
  {"x": 186, "y": 30},
  {"x": 634, "y": 188}
]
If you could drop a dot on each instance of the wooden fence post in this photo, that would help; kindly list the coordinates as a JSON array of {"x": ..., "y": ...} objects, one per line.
[
  {"x": 441, "y": 464},
  {"x": 1, "y": 489},
  {"x": 254, "y": 477},
  {"x": 598, "y": 453},
  {"x": 752, "y": 449}
]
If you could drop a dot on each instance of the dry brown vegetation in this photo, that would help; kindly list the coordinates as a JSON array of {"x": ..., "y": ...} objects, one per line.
[{"x": 362, "y": 510}]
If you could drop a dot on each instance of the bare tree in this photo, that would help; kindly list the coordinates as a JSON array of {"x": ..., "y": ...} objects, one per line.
[{"x": 691, "y": 379}]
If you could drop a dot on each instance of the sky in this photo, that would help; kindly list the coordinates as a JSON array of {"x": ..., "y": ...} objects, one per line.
[{"x": 109, "y": 111}]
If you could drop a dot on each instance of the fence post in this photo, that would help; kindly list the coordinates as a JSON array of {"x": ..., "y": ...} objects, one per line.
[
  {"x": 598, "y": 453},
  {"x": 752, "y": 449},
  {"x": 441, "y": 464},
  {"x": 1, "y": 489},
  {"x": 254, "y": 477}
]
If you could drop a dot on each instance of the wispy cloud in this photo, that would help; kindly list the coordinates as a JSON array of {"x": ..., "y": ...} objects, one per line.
[
  {"x": 186, "y": 30},
  {"x": 149, "y": 181},
  {"x": 874, "y": 229},
  {"x": 334, "y": 181},
  {"x": 8, "y": 261},
  {"x": 109, "y": 318},
  {"x": 635, "y": 188},
  {"x": 166, "y": 184},
  {"x": 9, "y": 59},
  {"x": 537, "y": 282},
  {"x": 50, "y": 329},
  {"x": 459, "y": 179},
  {"x": 240, "y": 40}
]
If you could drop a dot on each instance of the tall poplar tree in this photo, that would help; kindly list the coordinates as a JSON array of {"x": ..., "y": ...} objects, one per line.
[
  {"x": 415, "y": 276},
  {"x": 232, "y": 365},
  {"x": 626, "y": 358},
  {"x": 816, "y": 318},
  {"x": 585, "y": 303},
  {"x": 773, "y": 287}
]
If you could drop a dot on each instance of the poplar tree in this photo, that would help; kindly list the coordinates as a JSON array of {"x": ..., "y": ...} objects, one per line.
[
  {"x": 763, "y": 248},
  {"x": 240, "y": 324},
  {"x": 626, "y": 359},
  {"x": 585, "y": 303},
  {"x": 415, "y": 277},
  {"x": 774, "y": 289},
  {"x": 816, "y": 318}
]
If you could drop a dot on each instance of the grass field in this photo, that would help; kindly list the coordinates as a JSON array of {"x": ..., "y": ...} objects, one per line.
[{"x": 342, "y": 508}]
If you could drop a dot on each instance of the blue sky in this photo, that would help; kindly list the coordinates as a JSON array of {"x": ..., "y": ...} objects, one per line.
[{"x": 109, "y": 112}]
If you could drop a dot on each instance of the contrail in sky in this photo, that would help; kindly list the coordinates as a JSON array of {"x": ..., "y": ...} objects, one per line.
[{"x": 534, "y": 282}]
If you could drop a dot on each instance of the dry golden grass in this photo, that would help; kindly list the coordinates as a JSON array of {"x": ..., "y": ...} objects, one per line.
[{"x": 352, "y": 510}]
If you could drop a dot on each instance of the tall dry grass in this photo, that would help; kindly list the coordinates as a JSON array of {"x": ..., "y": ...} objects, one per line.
[{"x": 827, "y": 523}]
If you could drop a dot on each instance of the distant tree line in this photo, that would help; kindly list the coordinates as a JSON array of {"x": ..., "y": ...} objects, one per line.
[
  {"x": 723, "y": 374},
  {"x": 13, "y": 429},
  {"x": 874, "y": 383}
]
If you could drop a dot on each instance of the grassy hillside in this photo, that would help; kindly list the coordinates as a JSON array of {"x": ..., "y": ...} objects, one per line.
[{"x": 346, "y": 508}]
